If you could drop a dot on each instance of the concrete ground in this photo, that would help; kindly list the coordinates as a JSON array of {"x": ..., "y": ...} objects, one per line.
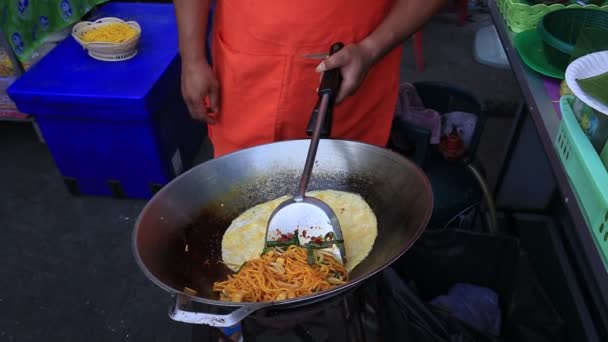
[{"x": 66, "y": 267}]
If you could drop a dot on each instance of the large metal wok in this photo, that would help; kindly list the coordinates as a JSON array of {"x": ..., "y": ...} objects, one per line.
[{"x": 198, "y": 206}]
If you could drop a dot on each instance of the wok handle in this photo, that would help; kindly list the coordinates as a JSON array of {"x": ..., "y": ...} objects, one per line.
[
  {"x": 180, "y": 312},
  {"x": 330, "y": 84}
]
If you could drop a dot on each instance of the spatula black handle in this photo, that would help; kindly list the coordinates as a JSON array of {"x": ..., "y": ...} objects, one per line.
[{"x": 330, "y": 85}]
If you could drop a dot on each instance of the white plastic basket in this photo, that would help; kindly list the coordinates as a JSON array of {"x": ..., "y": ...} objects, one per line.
[{"x": 107, "y": 51}]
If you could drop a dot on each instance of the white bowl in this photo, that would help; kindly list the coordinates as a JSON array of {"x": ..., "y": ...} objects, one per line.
[
  {"x": 587, "y": 66},
  {"x": 107, "y": 51}
]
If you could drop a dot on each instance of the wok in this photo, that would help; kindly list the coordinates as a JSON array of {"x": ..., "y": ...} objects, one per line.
[{"x": 198, "y": 206}]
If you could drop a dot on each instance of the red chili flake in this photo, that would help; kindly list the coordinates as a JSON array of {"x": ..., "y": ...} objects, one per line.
[
  {"x": 285, "y": 237},
  {"x": 317, "y": 239}
]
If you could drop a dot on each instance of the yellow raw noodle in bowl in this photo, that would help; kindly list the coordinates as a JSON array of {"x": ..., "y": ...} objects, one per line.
[
  {"x": 109, "y": 33},
  {"x": 244, "y": 239}
]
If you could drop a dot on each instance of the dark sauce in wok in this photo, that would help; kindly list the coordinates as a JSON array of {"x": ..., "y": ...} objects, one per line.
[{"x": 199, "y": 265}]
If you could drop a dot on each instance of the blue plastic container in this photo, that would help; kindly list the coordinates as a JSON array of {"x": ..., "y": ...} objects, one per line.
[{"x": 115, "y": 128}]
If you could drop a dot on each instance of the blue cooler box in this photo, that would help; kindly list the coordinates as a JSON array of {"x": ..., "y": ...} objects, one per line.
[{"x": 115, "y": 128}]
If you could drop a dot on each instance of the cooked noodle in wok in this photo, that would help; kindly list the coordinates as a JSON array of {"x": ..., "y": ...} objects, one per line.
[{"x": 283, "y": 273}]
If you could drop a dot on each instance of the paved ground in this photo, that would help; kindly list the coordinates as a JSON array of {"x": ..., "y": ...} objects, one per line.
[
  {"x": 66, "y": 268},
  {"x": 67, "y": 272}
]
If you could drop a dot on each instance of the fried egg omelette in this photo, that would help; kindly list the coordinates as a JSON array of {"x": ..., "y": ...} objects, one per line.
[{"x": 244, "y": 239}]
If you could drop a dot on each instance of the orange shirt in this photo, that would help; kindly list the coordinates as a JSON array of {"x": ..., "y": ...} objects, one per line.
[{"x": 267, "y": 86}]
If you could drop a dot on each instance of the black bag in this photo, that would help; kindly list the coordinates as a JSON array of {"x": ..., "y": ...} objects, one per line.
[{"x": 440, "y": 259}]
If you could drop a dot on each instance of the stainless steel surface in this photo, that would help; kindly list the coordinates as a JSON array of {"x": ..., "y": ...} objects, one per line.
[
  {"x": 299, "y": 217},
  {"x": 546, "y": 121},
  {"x": 397, "y": 191},
  {"x": 181, "y": 311},
  {"x": 312, "y": 150},
  {"x": 301, "y": 211}
]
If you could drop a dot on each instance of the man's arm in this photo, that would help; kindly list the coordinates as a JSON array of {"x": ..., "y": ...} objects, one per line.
[
  {"x": 355, "y": 60},
  {"x": 404, "y": 19},
  {"x": 192, "y": 16},
  {"x": 198, "y": 81}
]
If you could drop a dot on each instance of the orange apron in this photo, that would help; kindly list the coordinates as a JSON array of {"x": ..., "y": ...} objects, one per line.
[{"x": 267, "y": 86}]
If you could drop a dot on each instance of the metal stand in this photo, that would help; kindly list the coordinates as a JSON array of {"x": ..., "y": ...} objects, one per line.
[{"x": 533, "y": 179}]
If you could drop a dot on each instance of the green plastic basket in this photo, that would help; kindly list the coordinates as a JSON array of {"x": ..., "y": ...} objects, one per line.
[
  {"x": 521, "y": 16},
  {"x": 560, "y": 31},
  {"x": 586, "y": 172},
  {"x": 541, "y": 2}
]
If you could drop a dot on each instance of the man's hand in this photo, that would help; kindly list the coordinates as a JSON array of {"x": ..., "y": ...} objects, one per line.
[
  {"x": 354, "y": 62},
  {"x": 198, "y": 85}
]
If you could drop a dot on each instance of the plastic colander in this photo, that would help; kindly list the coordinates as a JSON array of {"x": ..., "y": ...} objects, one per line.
[{"x": 561, "y": 29}]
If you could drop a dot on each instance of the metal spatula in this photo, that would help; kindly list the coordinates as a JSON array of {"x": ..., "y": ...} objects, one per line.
[{"x": 309, "y": 220}]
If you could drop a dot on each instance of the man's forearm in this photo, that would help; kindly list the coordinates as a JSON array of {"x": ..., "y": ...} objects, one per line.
[
  {"x": 192, "y": 16},
  {"x": 403, "y": 20}
]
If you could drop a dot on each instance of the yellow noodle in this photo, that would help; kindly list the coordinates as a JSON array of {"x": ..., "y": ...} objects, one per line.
[
  {"x": 260, "y": 280},
  {"x": 110, "y": 33}
]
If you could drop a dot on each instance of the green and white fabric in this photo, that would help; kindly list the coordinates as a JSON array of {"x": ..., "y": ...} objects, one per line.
[{"x": 27, "y": 22}]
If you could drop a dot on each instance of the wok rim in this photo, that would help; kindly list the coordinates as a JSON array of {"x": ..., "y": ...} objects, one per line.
[{"x": 303, "y": 300}]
